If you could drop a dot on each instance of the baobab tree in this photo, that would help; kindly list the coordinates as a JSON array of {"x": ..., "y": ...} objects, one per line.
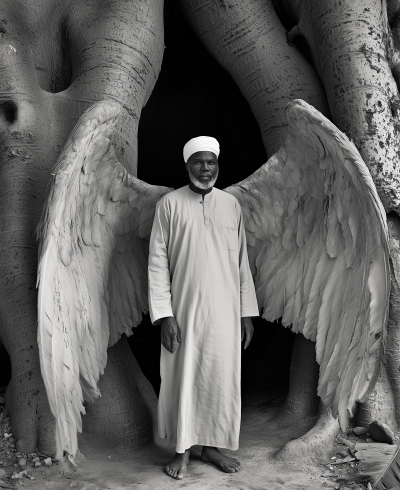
[{"x": 339, "y": 56}]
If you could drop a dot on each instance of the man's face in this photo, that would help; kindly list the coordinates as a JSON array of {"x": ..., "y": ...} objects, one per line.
[{"x": 203, "y": 169}]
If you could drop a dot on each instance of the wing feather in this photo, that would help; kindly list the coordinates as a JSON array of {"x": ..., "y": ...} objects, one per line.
[
  {"x": 92, "y": 274},
  {"x": 318, "y": 250}
]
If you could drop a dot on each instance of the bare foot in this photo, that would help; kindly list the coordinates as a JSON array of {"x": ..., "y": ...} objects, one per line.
[
  {"x": 177, "y": 467},
  {"x": 212, "y": 455}
]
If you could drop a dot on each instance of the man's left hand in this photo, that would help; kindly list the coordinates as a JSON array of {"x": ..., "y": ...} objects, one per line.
[{"x": 247, "y": 330}]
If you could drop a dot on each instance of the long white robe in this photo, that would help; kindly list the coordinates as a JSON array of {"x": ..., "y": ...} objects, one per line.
[{"x": 199, "y": 273}]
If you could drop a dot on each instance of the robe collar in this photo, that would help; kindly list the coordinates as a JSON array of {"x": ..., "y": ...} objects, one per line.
[{"x": 196, "y": 195}]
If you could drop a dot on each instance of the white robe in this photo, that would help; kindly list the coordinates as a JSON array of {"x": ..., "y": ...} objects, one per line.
[{"x": 199, "y": 273}]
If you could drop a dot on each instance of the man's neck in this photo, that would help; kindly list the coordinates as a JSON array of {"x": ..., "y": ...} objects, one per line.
[{"x": 203, "y": 192}]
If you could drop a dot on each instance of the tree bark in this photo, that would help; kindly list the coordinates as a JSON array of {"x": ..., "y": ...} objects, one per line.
[
  {"x": 351, "y": 48},
  {"x": 302, "y": 401},
  {"x": 248, "y": 40},
  {"x": 316, "y": 444}
]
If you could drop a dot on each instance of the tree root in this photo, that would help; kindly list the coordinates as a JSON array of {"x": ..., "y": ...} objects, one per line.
[
  {"x": 123, "y": 417},
  {"x": 316, "y": 443}
]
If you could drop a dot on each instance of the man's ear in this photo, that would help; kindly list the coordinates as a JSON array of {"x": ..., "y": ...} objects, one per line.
[{"x": 187, "y": 166}]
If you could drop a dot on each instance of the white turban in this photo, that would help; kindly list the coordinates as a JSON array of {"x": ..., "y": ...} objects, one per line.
[{"x": 201, "y": 143}]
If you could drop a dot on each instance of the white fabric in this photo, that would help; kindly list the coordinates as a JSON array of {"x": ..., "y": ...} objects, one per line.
[
  {"x": 201, "y": 143},
  {"x": 199, "y": 273}
]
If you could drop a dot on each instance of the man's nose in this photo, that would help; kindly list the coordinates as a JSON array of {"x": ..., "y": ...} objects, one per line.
[{"x": 205, "y": 167}]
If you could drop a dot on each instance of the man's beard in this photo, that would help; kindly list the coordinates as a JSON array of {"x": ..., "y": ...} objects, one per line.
[{"x": 199, "y": 184}]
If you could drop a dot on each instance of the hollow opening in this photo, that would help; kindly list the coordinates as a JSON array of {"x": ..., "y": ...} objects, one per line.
[{"x": 9, "y": 111}]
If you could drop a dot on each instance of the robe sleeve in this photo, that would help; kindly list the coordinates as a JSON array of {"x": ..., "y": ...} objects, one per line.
[
  {"x": 160, "y": 305},
  {"x": 248, "y": 299}
]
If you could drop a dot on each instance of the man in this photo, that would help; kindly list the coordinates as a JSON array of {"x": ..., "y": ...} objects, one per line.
[{"x": 201, "y": 290}]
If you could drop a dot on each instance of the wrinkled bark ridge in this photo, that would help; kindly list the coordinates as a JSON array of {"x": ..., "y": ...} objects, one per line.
[{"x": 248, "y": 40}]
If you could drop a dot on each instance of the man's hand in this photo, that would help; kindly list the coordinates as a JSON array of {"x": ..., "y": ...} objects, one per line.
[
  {"x": 247, "y": 329},
  {"x": 170, "y": 334}
]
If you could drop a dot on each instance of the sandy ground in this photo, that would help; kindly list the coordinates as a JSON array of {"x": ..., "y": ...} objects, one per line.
[{"x": 143, "y": 470}]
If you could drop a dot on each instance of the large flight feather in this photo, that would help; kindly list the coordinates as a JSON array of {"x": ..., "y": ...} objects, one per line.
[
  {"x": 318, "y": 249},
  {"x": 92, "y": 273}
]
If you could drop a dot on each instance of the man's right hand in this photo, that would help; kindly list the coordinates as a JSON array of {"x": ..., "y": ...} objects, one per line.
[{"x": 170, "y": 334}]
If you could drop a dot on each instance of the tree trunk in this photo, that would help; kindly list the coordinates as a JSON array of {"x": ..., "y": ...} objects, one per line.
[
  {"x": 303, "y": 411},
  {"x": 125, "y": 418},
  {"x": 351, "y": 48},
  {"x": 384, "y": 402},
  {"x": 92, "y": 50},
  {"x": 248, "y": 40},
  {"x": 316, "y": 444},
  {"x": 302, "y": 401}
]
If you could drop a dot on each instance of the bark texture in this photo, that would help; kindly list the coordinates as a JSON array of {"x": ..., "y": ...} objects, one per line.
[
  {"x": 249, "y": 41},
  {"x": 304, "y": 409},
  {"x": 55, "y": 60},
  {"x": 316, "y": 443},
  {"x": 302, "y": 402},
  {"x": 350, "y": 44}
]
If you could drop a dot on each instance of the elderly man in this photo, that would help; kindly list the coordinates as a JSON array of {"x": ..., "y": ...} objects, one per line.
[{"x": 201, "y": 290}]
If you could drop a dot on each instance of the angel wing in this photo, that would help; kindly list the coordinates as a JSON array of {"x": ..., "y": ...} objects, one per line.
[
  {"x": 92, "y": 273},
  {"x": 317, "y": 241}
]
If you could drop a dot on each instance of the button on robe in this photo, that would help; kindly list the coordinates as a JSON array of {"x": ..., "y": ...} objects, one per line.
[{"x": 199, "y": 273}]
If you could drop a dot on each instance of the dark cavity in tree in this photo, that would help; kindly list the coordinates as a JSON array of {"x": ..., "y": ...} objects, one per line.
[{"x": 9, "y": 111}]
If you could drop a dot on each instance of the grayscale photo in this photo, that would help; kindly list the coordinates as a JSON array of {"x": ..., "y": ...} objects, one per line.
[{"x": 200, "y": 244}]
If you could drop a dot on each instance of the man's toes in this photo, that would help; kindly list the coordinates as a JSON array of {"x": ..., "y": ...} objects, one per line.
[{"x": 181, "y": 474}]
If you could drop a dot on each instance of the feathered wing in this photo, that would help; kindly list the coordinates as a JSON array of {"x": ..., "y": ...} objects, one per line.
[
  {"x": 317, "y": 241},
  {"x": 92, "y": 273}
]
